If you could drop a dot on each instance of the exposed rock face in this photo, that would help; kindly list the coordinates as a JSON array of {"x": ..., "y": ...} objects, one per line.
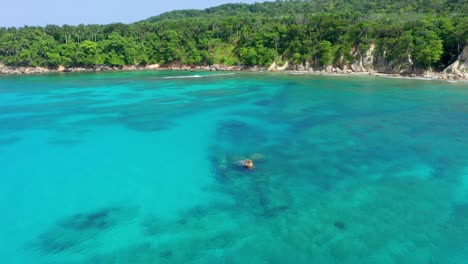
[
  {"x": 363, "y": 62},
  {"x": 152, "y": 66},
  {"x": 219, "y": 67},
  {"x": 460, "y": 67},
  {"x": 25, "y": 70},
  {"x": 375, "y": 60},
  {"x": 202, "y": 68},
  {"x": 300, "y": 67},
  {"x": 81, "y": 69},
  {"x": 367, "y": 60},
  {"x": 284, "y": 67},
  {"x": 274, "y": 67}
]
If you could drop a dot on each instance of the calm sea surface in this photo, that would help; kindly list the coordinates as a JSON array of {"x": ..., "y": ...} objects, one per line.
[{"x": 140, "y": 167}]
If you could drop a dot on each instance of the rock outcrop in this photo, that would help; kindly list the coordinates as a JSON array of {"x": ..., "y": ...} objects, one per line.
[
  {"x": 275, "y": 67},
  {"x": 459, "y": 68},
  {"x": 364, "y": 61},
  {"x": 24, "y": 70}
]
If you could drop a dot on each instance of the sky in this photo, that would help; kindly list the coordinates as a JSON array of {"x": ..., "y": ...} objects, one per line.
[{"x": 75, "y": 12}]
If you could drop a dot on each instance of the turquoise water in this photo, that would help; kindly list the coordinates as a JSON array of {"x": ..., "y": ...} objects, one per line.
[{"x": 139, "y": 167}]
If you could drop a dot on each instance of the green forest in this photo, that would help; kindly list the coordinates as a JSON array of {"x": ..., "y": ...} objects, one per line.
[{"x": 319, "y": 32}]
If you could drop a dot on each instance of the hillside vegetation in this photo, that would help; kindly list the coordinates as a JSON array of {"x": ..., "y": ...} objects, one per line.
[{"x": 403, "y": 35}]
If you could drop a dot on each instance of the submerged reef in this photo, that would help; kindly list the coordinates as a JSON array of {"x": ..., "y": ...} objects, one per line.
[
  {"x": 254, "y": 192},
  {"x": 370, "y": 221},
  {"x": 237, "y": 133},
  {"x": 325, "y": 189},
  {"x": 9, "y": 140},
  {"x": 73, "y": 231},
  {"x": 100, "y": 219},
  {"x": 365, "y": 222},
  {"x": 195, "y": 235}
]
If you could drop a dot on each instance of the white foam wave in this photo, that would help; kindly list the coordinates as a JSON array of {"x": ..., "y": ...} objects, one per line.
[
  {"x": 181, "y": 77},
  {"x": 220, "y": 74},
  {"x": 196, "y": 76},
  {"x": 297, "y": 73}
]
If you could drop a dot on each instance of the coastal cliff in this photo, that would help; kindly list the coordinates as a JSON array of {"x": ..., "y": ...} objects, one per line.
[
  {"x": 372, "y": 61},
  {"x": 369, "y": 62},
  {"x": 460, "y": 66}
]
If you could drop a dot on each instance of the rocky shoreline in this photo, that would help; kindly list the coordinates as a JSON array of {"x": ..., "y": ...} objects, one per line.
[
  {"x": 366, "y": 64},
  {"x": 445, "y": 75}
]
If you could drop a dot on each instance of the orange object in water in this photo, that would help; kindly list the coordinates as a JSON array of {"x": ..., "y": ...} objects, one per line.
[{"x": 248, "y": 163}]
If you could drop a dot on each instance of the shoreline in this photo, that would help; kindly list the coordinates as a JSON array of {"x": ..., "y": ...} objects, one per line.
[
  {"x": 11, "y": 71},
  {"x": 435, "y": 77}
]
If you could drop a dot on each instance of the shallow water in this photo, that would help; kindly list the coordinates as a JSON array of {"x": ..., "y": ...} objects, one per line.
[{"x": 139, "y": 167}]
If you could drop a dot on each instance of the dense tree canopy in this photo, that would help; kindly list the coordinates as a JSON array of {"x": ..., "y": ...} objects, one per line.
[{"x": 322, "y": 32}]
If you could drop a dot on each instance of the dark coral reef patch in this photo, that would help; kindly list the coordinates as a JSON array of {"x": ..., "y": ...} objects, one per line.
[{"x": 74, "y": 231}]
